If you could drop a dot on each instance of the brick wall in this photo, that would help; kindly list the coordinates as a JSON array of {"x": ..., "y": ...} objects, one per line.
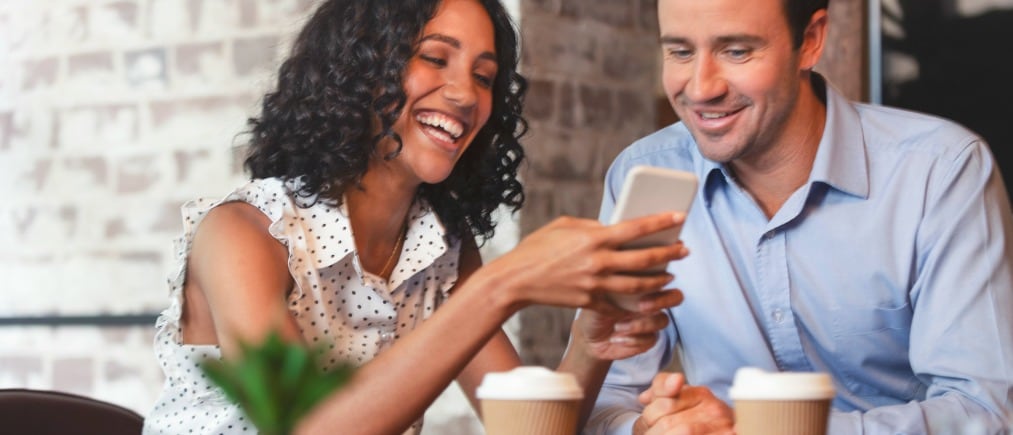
[
  {"x": 112, "y": 113},
  {"x": 117, "y": 112},
  {"x": 594, "y": 74}
]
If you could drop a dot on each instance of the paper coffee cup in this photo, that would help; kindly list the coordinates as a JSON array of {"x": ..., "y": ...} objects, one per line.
[
  {"x": 781, "y": 403},
  {"x": 530, "y": 400}
]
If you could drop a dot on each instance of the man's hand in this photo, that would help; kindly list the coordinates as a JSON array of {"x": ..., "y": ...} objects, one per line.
[
  {"x": 618, "y": 334},
  {"x": 672, "y": 407},
  {"x": 597, "y": 338}
]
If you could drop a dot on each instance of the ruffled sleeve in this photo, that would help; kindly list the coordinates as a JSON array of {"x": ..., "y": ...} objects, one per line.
[{"x": 268, "y": 195}]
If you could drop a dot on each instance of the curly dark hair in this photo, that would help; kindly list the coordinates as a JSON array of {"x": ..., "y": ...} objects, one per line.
[{"x": 343, "y": 79}]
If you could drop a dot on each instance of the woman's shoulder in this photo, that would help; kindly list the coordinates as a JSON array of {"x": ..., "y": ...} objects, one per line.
[
  {"x": 242, "y": 220},
  {"x": 269, "y": 196},
  {"x": 264, "y": 193},
  {"x": 247, "y": 211},
  {"x": 236, "y": 216}
]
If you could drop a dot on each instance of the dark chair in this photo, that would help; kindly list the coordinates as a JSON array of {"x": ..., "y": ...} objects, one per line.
[{"x": 41, "y": 412}]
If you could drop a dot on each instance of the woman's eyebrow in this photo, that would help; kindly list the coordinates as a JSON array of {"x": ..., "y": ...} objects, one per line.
[
  {"x": 454, "y": 42},
  {"x": 449, "y": 40}
]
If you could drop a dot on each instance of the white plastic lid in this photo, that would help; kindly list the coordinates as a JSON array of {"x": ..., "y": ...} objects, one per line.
[
  {"x": 529, "y": 383},
  {"x": 755, "y": 384}
]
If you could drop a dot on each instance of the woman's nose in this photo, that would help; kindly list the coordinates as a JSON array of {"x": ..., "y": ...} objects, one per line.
[{"x": 460, "y": 91}]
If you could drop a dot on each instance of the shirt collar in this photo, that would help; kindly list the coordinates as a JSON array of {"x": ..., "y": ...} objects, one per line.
[
  {"x": 331, "y": 240},
  {"x": 842, "y": 160}
]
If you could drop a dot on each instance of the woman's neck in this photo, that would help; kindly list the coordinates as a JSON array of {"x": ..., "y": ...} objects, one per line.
[{"x": 378, "y": 211}]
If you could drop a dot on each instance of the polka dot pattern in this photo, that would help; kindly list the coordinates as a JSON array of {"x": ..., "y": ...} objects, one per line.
[{"x": 352, "y": 313}]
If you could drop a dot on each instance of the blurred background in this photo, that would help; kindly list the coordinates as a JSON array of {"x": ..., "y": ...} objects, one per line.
[
  {"x": 940, "y": 57},
  {"x": 115, "y": 112}
]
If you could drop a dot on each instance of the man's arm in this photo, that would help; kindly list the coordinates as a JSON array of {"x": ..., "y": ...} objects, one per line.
[
  {"x": 961, "y": 342},
  {"x": 617, "y": 408},
  {"x": 934, "y": 415}
]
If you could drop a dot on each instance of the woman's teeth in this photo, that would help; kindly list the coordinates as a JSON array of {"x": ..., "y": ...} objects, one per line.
[{"x": 453, "y": 128}]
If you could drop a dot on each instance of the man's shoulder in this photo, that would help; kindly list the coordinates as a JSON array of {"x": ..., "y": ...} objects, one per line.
[
  {"x": 673, "y": 141},
  {"x": 903, "y": 126}
]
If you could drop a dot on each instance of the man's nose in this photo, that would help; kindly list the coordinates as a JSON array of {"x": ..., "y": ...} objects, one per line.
[{"x": 706, "y": 82}]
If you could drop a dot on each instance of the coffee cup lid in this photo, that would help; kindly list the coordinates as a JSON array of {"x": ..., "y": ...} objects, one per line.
[
  {"x": 529, "y": 383},
  {"x": 756, "y": 384}
]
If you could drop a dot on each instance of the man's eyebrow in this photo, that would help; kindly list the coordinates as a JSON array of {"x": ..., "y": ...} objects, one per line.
[
  {"x": 724, "y": 39},
  {"x": 739, "y": 38},
  {"x": 454, "y": 42},
  {"x": 665, "y": 39}
]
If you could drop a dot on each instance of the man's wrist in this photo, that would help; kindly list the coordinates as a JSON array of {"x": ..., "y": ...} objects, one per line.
[
  {"x": 579, "y": 359},
  {"x": 639, "y": 426}
]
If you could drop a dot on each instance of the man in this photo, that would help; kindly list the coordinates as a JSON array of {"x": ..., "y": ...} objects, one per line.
[{"x": 866, "y": 242}]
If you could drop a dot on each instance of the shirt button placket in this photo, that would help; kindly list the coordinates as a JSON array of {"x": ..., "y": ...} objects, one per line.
[{"x": 777, "y": 315}]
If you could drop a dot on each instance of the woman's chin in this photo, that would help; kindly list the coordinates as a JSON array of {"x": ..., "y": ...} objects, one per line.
[{"x": 435, "y": 179}]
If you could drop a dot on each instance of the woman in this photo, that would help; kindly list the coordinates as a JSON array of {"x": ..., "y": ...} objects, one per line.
[{"x": 388, "y": 144}]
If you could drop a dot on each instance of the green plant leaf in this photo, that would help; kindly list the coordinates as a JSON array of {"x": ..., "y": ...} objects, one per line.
[
  {"x": 294, "y": 367},
  {"x": 221, "y": 375},
  {"x": 275, "y": 382},
  {"x": 255, "y": 377}
]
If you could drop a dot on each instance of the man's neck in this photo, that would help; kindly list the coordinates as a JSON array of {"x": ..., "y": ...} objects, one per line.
[{"x": 771, "y": 178}]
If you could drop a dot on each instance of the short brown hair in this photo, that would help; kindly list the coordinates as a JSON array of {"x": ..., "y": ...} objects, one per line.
[{"x": 798, "y": 13}]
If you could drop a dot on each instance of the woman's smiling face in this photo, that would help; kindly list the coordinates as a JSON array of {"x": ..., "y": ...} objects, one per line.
[{"x": 448, "y": 85}]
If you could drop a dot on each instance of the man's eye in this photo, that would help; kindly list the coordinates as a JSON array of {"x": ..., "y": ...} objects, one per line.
[
  {"x": 738, "y": 53},
  {"x": 678, "y": 53}
]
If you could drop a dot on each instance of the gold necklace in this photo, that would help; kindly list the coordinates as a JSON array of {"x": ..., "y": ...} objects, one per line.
[{"x": 393, "y": 253}]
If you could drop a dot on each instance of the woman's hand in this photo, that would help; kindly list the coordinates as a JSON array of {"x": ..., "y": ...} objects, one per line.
[{"x": 575, "y": 263}]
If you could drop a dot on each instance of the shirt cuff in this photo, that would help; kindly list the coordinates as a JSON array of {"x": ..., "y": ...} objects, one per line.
[{"x": 618, "y": 424}]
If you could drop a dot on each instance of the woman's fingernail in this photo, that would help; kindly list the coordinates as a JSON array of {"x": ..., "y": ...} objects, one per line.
[{"x": 622, "y": 326}]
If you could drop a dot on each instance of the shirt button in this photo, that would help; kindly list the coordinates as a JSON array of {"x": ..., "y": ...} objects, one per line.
[
  {"x": 386, "y": 337},
  {"x": 778, "y": 316},
  {"x": 770, "y": 235}
]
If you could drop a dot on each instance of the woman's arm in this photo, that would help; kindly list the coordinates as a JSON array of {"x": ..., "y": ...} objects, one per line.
[
  {"x": 242, "y": 273},
  {"x": 497, "y": 355},
  {"x": 570, "y": 262},
  {"x": 237, "y": 279}
]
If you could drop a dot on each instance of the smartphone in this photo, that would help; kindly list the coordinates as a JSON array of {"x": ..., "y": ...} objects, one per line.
[{"x": 650, "y": 190}]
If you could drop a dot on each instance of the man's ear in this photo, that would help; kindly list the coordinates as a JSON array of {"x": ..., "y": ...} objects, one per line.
[{"x": 814, "y": 39}]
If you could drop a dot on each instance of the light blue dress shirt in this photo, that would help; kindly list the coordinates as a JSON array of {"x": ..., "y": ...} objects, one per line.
[{"x": 891, "y": 268}]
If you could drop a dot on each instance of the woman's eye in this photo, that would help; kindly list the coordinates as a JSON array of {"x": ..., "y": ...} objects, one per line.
[
  {"x": 485, "y": 81},
  {"x": 433, "y": 60}
]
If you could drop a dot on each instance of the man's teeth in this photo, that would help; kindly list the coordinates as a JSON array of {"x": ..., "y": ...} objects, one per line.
[
  {"x": 450, "y": 125},
  {"x": 714, "y": 115}
]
